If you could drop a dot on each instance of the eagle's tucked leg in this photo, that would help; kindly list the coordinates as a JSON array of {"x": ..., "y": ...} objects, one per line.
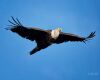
[{"x": 35, "y": 50}]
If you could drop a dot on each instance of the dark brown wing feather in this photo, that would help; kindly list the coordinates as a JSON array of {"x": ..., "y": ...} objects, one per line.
[
  {"x": 63, "y": 37},
  {"x": 28, "y": 33}
]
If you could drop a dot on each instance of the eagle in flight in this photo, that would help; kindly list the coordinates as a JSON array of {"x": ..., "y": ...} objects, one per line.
[{"x": 45, "y": 38}]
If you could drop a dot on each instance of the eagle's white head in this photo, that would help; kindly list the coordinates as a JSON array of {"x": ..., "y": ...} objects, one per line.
[{"x": 55, "y": 33}]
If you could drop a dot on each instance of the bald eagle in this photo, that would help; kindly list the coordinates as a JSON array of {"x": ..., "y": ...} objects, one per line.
[{"x": 44, "y": 38}]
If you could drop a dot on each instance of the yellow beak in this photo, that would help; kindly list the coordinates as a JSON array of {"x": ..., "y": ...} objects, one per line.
[{"x": 60, "y": 29}]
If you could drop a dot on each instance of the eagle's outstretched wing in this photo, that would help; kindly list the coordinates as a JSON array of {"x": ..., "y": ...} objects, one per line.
[
  {"x": 26, "y": 32},
  {"x": 63, "y": 37}
]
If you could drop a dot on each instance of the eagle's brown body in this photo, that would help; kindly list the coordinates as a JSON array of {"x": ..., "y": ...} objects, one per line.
[{"x": 44, "y": 38}]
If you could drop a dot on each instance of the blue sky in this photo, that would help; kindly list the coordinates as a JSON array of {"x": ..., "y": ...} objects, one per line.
[{"x": 66, "y": 61}]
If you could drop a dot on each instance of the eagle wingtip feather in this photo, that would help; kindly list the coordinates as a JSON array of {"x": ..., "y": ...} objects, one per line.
[{"x": 91, "y": 35}]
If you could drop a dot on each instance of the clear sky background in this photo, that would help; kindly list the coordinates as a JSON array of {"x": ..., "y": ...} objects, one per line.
[{"x": 66, "y": 61}]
